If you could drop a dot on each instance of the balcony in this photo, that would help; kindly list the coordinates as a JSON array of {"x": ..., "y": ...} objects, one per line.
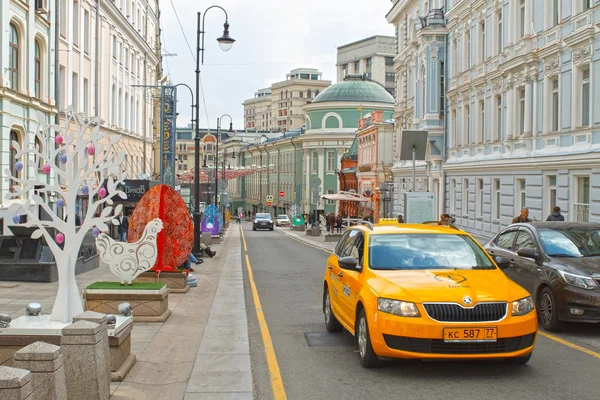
[{"x": 582, "y": 212}]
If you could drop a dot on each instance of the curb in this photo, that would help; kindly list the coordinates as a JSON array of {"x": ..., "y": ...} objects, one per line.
[{"x": 305, "y": 241}]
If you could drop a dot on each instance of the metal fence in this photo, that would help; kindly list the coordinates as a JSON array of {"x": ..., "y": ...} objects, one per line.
[{"x": 582, "y": 212}]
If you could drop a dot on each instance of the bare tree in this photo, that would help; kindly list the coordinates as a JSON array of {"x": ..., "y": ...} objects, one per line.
[{"x": 82, "y": 163}]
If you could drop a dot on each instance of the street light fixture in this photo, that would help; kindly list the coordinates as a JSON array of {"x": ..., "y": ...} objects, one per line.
[
  {"x": 217, "y": 154},
  {"x": 225, "y": 42}
]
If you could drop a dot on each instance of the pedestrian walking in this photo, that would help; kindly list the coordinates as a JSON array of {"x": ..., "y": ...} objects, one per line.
[
  {"x": 123, "y": 227},
  {"x": 555, "y": 215},
  {"x": 523, "y": 217},
  {"x": 338, "y": 223}
]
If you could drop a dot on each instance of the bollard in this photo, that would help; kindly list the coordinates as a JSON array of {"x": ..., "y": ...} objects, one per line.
[
  {"x": 46, "y": 365},
  {"x": 15, "y": 384},
  {"x": 99, "y": 319},
  {"x": 86, "y": 373}
]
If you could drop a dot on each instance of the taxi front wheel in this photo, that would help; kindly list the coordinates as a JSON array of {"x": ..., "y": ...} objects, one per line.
[
  {"x": 367, "y": 356},
  {"x": 331, "y": 322}
]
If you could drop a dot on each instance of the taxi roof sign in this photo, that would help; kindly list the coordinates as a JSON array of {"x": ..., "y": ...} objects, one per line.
[{"x": 387, "y": 221}]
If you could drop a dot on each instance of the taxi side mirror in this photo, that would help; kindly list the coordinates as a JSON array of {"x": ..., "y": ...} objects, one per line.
[
  {"x": 349, "y": 263},
  {"x": 528, "y": 252},
  {"x": 502, "y": 262}
]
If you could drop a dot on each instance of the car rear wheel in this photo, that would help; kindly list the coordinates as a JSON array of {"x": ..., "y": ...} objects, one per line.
[
  {"x": 547, "y": 311},
  {"x": 331, "y": 322},
  {"x": 367, "y": 356},
  {"x": 519, "y": 360}
]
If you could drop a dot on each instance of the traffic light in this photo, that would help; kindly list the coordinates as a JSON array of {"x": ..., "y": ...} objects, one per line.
[{"x": 269, "y": 203}]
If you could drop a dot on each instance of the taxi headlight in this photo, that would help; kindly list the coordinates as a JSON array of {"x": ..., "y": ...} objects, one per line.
[
  {"x": 584, "y": 282},
  {"x": 397, "y": 307},
  {"x": 522, "y": 307}
]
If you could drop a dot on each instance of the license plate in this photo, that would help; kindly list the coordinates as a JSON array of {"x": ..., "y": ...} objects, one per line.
[{"x": 470, "y": 334}]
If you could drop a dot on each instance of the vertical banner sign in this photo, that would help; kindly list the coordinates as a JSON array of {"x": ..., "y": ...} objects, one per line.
[{"x": 168, "y": 113}]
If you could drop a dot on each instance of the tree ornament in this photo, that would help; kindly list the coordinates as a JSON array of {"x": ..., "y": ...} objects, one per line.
[
  {"x": 16, "y": 219},
  {"x": 91, "y": 150},
  {"x": 102, "y": 192},
  {"x": 63, "y": 158},
  {"x": 60, "y": 238},
  {"x": 19, "y": 166},
  {"x": 95, "y": 231},
  {"x": 58, "y": 139},
  {"x": 60, "y": 203},
  {"x": 46, "y": 169},
  {"x": 85, "y": 190}
]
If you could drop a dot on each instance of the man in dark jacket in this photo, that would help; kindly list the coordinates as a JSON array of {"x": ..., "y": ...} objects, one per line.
[
  {"x": 123, "y": 227},
  {"x": 556, "y": 215},
  {"x": 523, "y": 217}
]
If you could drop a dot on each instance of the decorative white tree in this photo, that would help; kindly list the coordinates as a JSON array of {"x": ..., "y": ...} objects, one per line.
[{"x": 82, "y": 163}]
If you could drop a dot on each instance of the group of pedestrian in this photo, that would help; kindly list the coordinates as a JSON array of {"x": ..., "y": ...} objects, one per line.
[
  {"x": 334, "y": 222},
  {"x": 555, "y": 215}
]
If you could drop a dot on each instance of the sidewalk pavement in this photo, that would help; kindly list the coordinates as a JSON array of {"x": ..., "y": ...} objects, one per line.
[
  {"x": 200, "y": 352},
  {"x": 319, "y": 241}
]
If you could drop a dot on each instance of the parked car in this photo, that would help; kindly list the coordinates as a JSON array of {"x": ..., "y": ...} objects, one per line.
[
  {"x": 282, "y": 220},
  {"x": 425, "y": 291},
  {"x": 558, "y": 263},
  {"x": 262, "y": 221}
]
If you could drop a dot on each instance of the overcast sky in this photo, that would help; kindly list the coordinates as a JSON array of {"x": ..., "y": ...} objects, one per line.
[{"x": 272, "y": 38}]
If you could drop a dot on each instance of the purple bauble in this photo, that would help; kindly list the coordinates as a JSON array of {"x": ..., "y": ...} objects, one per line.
[
  {"x": 19, "y": 166},
  {"x": 60, "y": 203},
  {"x": 16, "y": 219},
  {"x": 95, "y": 231},
  {"x": 63, "y": 158},
  {"x": 85, "y": 190}
]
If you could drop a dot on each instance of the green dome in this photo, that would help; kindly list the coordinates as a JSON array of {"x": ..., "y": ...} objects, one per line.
[{"x": 355, "y": 89}]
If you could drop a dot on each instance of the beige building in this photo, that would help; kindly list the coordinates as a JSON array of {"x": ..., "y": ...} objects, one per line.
[
  {"x": 282, "y": 109},
  {"x": 105, "y": 49},
  {"x": 373, "y": 57}
]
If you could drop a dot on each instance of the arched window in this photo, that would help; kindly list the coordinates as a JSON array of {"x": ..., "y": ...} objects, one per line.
[
  {"x": 317, "y": 93},
  {"x": 12, "y": 162},
  {"x": 38, "y": 70},
  {"x": 13, "y": 57},
  {"x": 308, "y": 94}
]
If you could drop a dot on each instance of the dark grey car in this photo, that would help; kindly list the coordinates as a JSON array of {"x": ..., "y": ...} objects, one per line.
[
  {"x": 262, "y": 221},
  {"x": 558, "y": 263}
]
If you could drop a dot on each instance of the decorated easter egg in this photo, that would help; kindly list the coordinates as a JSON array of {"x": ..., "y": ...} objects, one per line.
[
  {"x": 19, "y": 166},
  {"x": 63, "y": 158},
  {"x": 85, "y": 190},
  {"x": 102, "y": 192},
  {"x": 91, "y": 150},
  {"x": 60, "y": 203},
  {"x": 95, "y": 231},
  {"x": 176, "y": 239},
  {"x": 60, "y": 238},
  {"x": 46, "y": 169},
  {"x": 16, "y": 219},
  {"x": 58, "y": 139}
]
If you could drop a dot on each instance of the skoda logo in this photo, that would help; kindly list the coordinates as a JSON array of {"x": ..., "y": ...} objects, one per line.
[{"x": 467, "y": 300}]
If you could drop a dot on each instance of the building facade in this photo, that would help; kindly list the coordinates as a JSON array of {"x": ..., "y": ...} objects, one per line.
[
  {"x": 27, "y": 84},
  {"x": 373, "y": 57},
  {"x": 522, "y": 110},
  {"x": 279, "y": 108}
]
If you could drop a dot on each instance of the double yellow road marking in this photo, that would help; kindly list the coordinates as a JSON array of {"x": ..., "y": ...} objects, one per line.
[{"x": 276, "y": 381}]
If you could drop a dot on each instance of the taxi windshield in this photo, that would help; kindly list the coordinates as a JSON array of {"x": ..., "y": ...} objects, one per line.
[{"x": 426, "y": 251}]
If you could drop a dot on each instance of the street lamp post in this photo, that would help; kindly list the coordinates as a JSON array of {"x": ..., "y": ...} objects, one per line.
[
  {"x": 217, "y": 153},
  {"x": 225, "y": 42}
]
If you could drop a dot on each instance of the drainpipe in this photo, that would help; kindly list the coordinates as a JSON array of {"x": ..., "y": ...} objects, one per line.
[
  {"x": 278, "y": 176},
  {"x": 295, "y": 172},
  {"x": 57, "y": 91},
  {"x": 97, "y": 44},
  {"x": 268, "y": 170}
]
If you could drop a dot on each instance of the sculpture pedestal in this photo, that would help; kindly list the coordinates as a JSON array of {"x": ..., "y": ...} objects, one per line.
[
  {"x": 177, "y": 282},
  {"x": 146, "y": 305}
]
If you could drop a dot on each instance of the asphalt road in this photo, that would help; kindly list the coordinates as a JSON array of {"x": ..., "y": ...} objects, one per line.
[{"x": 317, "y": 365}]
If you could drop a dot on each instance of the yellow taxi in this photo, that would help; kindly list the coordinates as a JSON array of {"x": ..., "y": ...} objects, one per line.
[{"x": 425, "y": 291}]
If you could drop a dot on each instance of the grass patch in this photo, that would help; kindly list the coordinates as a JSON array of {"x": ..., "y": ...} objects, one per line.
[{"x": 118, "y": 286}]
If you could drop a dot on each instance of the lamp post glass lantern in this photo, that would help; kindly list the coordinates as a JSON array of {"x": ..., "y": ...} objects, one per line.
[{"x": 225, "y": 42}]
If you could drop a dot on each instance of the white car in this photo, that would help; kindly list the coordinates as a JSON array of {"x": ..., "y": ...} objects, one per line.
[{"x": 282, "y": 220}]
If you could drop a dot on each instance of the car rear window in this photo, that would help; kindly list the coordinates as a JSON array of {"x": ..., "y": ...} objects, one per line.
[
  {"x": 282, "y": 216},
  {"x": 426, "y": 251}
]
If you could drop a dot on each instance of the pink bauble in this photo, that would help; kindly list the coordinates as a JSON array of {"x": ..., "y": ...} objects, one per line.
[
  {"x": 46, "y": 169},
  {"x": 60, "y": 238},
  {"x": 91, "y": 150},
  {"x": 58, "y": 139},
  {"x": 102, "y": 192}
]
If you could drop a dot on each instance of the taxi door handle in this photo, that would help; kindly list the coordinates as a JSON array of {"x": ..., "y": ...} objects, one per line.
[
  {"x": 340, "y": 274},
  {"x": 330, "y": 267}
]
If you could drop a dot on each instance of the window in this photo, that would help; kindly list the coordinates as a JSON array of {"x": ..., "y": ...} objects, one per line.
[
  {"x": 521, "y": 195},
  {"x": 86, "y": 102},
  {"x": 308, "y": 94},
  {"x": 314, "y": 161},
  {"x": 14, "y": 137},
  {"x": 422, "y": 83},
  {"x": 38, "y": 71},
  {"x": 114, "y": 46},
  {"x": 120, "y": 54},
  {"x": 86, "y": 31},
  {"x": 585, "y": 97},
  {"x": 126, "y": 58},
  {"x": 454, "y": 60},
  {"x": 586, "y": 5},
  {"x": 468, "y": 49},
  {"x": 454, "y": 136},
  {"x": 555, "y": 11},
  {"x": 555, "y": 105},
  {"x": 390, "y": 76},
  {"x": 582, "y": 203},
  {"x": 523, "y": 241},
  {"x": 496, "y": 201},
  {"x": 63, "y": 18},
  {"x": 13, "y": 62},
  {"x": 482, "y": 41},
  {"x": 453, "y": 196},
  {"x": 39, "y": 161},
  {"x": 329, "y": 191},
  {"x": 468, "y": 125},
  {"x": 521, "y": 110},
  {"x": 75, "y": 93},
  {"x": 113, "y": 113},
  {"x": 500, "y": 36},
  {"x": 481, "y": 133},
  {"x": 331, "y": 161},
  {"x": 551, "y": 192},
  {"x": 522, "y": 18},
  {"x": 506, "y": 240},
  {"x": 356, "y": 67},
  {"x": 388, "y": 61},
  {"x": 369, "y": 62},
  {"x": 499, "y": 135},
  {"x": 76, "y": 23},
  {"x": 62, "y": 84},
  {"x": 465, "y": 198},
  {"x": 479, "y": 205}
]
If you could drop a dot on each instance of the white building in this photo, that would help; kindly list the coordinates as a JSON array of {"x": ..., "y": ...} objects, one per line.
[
  {"x": 27, "y": 82},
  {"x": 373, "y": 57}
]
